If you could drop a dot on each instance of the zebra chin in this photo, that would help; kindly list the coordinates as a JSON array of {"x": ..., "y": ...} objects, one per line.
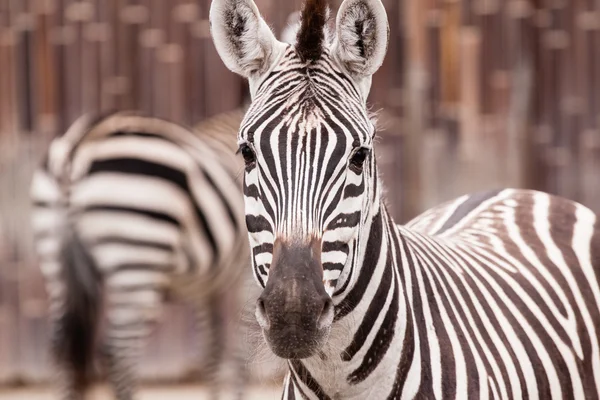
[
  {"x": 295, "y": 343},
  {"x": 294, "y": 310}
]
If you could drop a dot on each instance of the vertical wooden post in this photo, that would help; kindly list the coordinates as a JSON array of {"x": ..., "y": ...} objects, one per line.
[
  {"x": 46, "y": 69},
  {"x": 470, "y": 140},
  {"x": 415, "y": 86}
]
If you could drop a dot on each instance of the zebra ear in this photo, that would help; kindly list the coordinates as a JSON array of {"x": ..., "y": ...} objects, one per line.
[
  {"x": 362, "y": 36},
  {"x": 242, "y": 38}
]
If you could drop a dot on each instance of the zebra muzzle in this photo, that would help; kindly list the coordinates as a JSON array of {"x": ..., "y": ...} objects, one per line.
[{"x": 294, "y": 310}]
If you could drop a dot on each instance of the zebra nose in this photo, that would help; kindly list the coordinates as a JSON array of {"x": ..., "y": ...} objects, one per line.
[{"x": 286, "y": 308}]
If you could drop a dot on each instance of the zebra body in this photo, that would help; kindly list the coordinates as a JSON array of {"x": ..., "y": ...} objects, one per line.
[
  {"x": 490, "y": 296},
  {"x": 478, "y": 298},
  {"x": 128, "y": 208}
]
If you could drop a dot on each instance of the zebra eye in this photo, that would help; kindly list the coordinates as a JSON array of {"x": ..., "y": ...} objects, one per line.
[
  {"x": 358, "y": 158},
  {"x": 248, "y": 154}
]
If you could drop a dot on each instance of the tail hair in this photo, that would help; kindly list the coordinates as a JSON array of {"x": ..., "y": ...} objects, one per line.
[{"x": 74, "y": 342}]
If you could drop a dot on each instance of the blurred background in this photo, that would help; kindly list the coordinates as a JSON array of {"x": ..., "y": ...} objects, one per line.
[{"x": 474, "y": 94}]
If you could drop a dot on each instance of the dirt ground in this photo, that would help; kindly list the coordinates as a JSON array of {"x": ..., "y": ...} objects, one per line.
[{"x": 150, "y": 393}]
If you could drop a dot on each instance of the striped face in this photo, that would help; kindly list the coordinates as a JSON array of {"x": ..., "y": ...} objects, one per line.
[{"x": 307, "y": 142}]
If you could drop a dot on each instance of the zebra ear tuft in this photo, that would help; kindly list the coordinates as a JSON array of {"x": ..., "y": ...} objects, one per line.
[
  {"x": 242, "y": 38},
  {"x": 362, "y": 37}
]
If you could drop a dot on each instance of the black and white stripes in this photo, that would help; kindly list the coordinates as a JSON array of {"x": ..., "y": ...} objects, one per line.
[
  {"x": 505, "y": 304},
  {"x": 126, "y": 208},
  {"x": 294, "y": 145},
  {"x": 493, "y": 295}
]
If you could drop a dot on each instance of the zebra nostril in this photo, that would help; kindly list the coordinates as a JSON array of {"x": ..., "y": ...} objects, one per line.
[
  {"x": 326, "y": 317},
  {"x": 261, "y": 314}
]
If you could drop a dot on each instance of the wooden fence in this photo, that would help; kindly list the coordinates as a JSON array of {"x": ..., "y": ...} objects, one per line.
[{"x": 475, "y": 94}]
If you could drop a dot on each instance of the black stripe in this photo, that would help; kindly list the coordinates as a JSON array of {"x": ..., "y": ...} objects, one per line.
[
  {"x": 257, "y": 223},
  {"x": 373, "y": 311},
  {"x": 251, "y": 191},
  {"x": 45, "y": 204},
  {"x": 354, "y": 190},
  {"x": 263, "y": 269},
  {"x": 336, "y": 198},
  {"x": 222, "y": 198},
  {"x": 147, "y": 168},
  {"x": 372, "y": 254},
  {"x": 562, "y": 215},
  {"x": 351, "y": 253},
  {"x": 311, "y": 157},
  {"x": 345, "y": 220},
  {"x": 291, "y": 394},
  {"x": 308, "y": 380},
  {"x": 138, "y": 134},
  {"x": 408, "y": 344},
  {"x": 141, "y": 167},
  {"x": 155, "y": 215},
  {"x": 263, "y": 248},
  {"x": 133, "y": 242},
  {"x": 462, "y": 281},
  {"x": 466, "y": 207},
  {"x": 328, "y": 266},
  {"x": 380, "y": 345},
  {"x": 433, "y": 278},
  {"x": 335, "y": 246},
  {"x": 538, "y": 368}
]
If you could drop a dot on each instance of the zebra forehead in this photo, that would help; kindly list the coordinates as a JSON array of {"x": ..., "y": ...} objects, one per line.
[
  {"x": 308, "y": 113},
  {"x": 302, "y": 97}
]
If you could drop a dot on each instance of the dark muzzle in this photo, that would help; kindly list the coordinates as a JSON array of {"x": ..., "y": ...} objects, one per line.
[{"x": 294, "y": 311}]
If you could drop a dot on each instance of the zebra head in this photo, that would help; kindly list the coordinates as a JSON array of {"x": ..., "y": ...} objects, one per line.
[{"x": 310, "y": 177}]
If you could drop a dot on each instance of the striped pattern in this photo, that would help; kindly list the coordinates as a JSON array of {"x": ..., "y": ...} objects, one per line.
[
  {"x": 295, "y": 135},
  {"x": 154, "y": 209},
  {"x": 494, "y": 295},
  {"x": 491, "y": 296}
]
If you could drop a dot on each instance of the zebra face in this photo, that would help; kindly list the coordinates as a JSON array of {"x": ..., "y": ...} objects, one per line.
[
  {"x": 307, "y": 144},
  {"x": 294, "y": 310},
  {"x": 307, "y": 170},
  {"x": 308, "y": 161}
]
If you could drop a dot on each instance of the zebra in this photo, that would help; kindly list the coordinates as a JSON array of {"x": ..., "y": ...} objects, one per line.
[
  {"x": 494, "y": 294},
  {"x": 128, "y": 209}
]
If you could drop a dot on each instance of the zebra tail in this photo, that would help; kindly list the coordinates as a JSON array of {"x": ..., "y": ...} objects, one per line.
[{"x": 75, "y": 341}]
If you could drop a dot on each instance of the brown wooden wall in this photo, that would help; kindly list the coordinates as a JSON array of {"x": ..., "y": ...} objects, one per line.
[{"x": 475, "y": 94}]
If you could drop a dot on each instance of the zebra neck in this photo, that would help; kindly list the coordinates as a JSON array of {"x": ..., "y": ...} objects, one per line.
[{"x": 371, "y": 325}]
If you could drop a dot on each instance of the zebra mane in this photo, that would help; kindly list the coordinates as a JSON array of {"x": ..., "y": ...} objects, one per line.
[{"x": 311, "y": 36}]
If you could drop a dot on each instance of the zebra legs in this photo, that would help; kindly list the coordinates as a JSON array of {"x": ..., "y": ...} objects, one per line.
[
  {"x": 121, "y": 371},
  {"x": 70, "y": 387},
  {"x": 240, "y": 378},
  {"x": 215, "y": 336},
  {"x": 75, "y": 301},
  {"x": 210, "y": 325},
  {"x": 131, "y": 315}
]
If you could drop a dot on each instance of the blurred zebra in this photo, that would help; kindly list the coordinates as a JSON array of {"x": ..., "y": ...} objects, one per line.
[{"x": 126, "y": 209}]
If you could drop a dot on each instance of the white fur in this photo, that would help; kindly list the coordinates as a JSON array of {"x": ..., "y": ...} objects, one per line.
[
  {"x": 372, "y": 15},
  {"x": 289, "y": 33},
  {"x": 254, "y": 52}
]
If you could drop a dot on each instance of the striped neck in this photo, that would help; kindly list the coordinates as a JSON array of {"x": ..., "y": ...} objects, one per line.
[{"x": 358, "y": 353}]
